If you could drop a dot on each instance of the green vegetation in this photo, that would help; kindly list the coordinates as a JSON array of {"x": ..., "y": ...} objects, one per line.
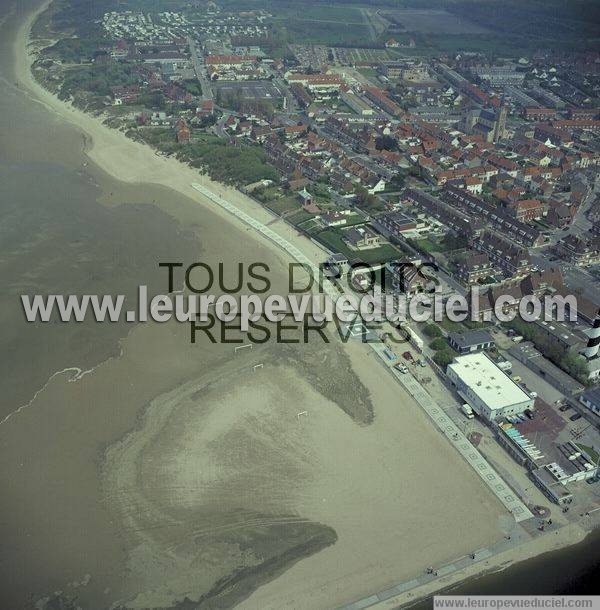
[
  {"x": 241, "y": 104},
  {"x": 74, "y": 50},
  {"x": 283, "y": 205},
  {"x": 432, "y": 330},
  {"x": 316, "y": 23},
  {"x": 320, "y": 12},
  {"x": 192, "y": 86},
  {"x": 539, "y": 22},
  {"x": 447, "y": 243},
  {"x": 452, "y": 327},
  {"x": 425, "y": 245},
  {"x": 299, "y": 217},
  {"x": 438, "y": 344},
  {"x": 592, "y": 453},
  {"x": 369, "y": 73},
  {"x": 316, "y": 32},
  {"x": 444, "y": 357},
  {"x": 238, "y": 165},
  {"x": 98, "y": 78},
  {"x": 568, "y": 360},
  {"x": 450, "y": 242},
  {"x": 386, "y": 143},
  {"x": 366, "y": 201},
  {"x": 332, "y": 239},
  {"x": 521, "y": 27}
]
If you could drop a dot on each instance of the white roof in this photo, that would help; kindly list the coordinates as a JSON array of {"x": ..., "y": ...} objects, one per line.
[{"x": 492, "y": 385}]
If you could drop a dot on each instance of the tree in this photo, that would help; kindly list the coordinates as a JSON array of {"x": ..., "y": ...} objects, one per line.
[
  {"x": 444, "y": 358},
  {"x": 363, "y": 197},
  {"x": 439, "y": 344},
  {"x": 576, "y": 366},
  {"x": 432, "y": 330},
  {"x": 386, "y": 143},
  {"x": 397, "y": 181}
]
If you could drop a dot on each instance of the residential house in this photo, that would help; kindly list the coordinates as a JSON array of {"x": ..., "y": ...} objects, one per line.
[
  {"x": 475, "y": 266},
  {"x": 471, "y": 341},
  {"x": 362, "y": 238},
  {"x": 526, "y": 209}
]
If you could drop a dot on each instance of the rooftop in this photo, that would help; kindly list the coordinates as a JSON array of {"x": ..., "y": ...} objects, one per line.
[
  {"x": 471, "y": 337},
  {"x": 485, "y": 379}
]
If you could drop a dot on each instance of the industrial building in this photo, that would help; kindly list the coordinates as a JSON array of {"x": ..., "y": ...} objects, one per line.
[
  {"x": 356, "y": 103},
  {"x": 554, "y": 460},
  {"x": 492, "y": 394},
  {"x": 591, "y": 400}
]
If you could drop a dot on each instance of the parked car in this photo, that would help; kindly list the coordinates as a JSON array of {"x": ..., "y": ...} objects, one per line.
[
  {"x": 564, "y": 408},
  {"x": 389, "y": 354},
  {"x": 467, "y": 411},
  {"x": 407, "y": 356},
  {"x": 575, "y": 416}
]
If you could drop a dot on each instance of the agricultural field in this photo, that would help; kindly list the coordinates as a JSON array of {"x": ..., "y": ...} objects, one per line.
[
  {"x": 343, "y": 14},
  {"x": 329, "y": 25},
  {"x": 430, "y": 21},
  {"x": 326, "y": 32}
]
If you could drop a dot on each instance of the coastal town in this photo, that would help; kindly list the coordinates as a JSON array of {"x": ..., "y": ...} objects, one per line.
[
  {"x": 485, "y": 167},
  {"x": 394, "y": 153}
]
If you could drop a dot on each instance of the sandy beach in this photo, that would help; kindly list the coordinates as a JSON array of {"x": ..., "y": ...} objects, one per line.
[
  {"x": 176, "y": 471},
  {"x": 134, "y": 162}
]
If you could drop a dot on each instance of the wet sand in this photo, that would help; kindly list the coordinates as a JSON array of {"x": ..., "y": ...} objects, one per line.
[{"x": 175, "y": 471}]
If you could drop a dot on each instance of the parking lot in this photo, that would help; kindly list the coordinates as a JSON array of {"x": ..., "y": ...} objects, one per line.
[
  {"x": 534, "y": 382},
  {"x": 249, "y": 90}
]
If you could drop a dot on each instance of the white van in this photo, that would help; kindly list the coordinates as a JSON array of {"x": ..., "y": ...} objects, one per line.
[{"x": 467, "y": 411}]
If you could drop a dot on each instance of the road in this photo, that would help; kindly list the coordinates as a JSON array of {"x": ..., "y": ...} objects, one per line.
[
  {"x": 436, "y": 412},
  {"x": 198, "y": 64},
  {"x": 576, "y": 279}
]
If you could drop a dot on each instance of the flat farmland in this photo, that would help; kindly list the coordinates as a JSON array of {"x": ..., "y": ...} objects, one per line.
[
  {"x": 433, "y": 22},
  {"x": 324, "y": 24},
  {"x": 344, "y": 14}
]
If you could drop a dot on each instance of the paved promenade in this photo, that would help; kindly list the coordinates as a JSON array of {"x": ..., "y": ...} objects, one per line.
[
  {"x": 454, "y": 434},
  {"x": 518, "y": 536},
  {"x": 489, "y": 476}
]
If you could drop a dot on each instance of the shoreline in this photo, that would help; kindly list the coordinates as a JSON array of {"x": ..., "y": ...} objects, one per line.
[
  {"x": 136, "y": 163},
  {"x": 567, "y": 536}
]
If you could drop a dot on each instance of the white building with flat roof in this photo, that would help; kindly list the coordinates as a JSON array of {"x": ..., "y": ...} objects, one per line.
[{"x": 490, "y": 391}]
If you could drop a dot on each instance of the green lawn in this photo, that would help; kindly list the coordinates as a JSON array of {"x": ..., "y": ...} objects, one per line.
[
  {"x": 427, "y": 245},
  {"x": 283, "y": 204},
  {"x": 590, "y": 451},
  {"x": 317, "y": 12},
  {"x": 452, "y": 327},
  {"x": 334, "y": 32},
  {"x": 369, "y": 73},
  {"x": 298, "y": 217},
  {"x": 332, "y": 239}
]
